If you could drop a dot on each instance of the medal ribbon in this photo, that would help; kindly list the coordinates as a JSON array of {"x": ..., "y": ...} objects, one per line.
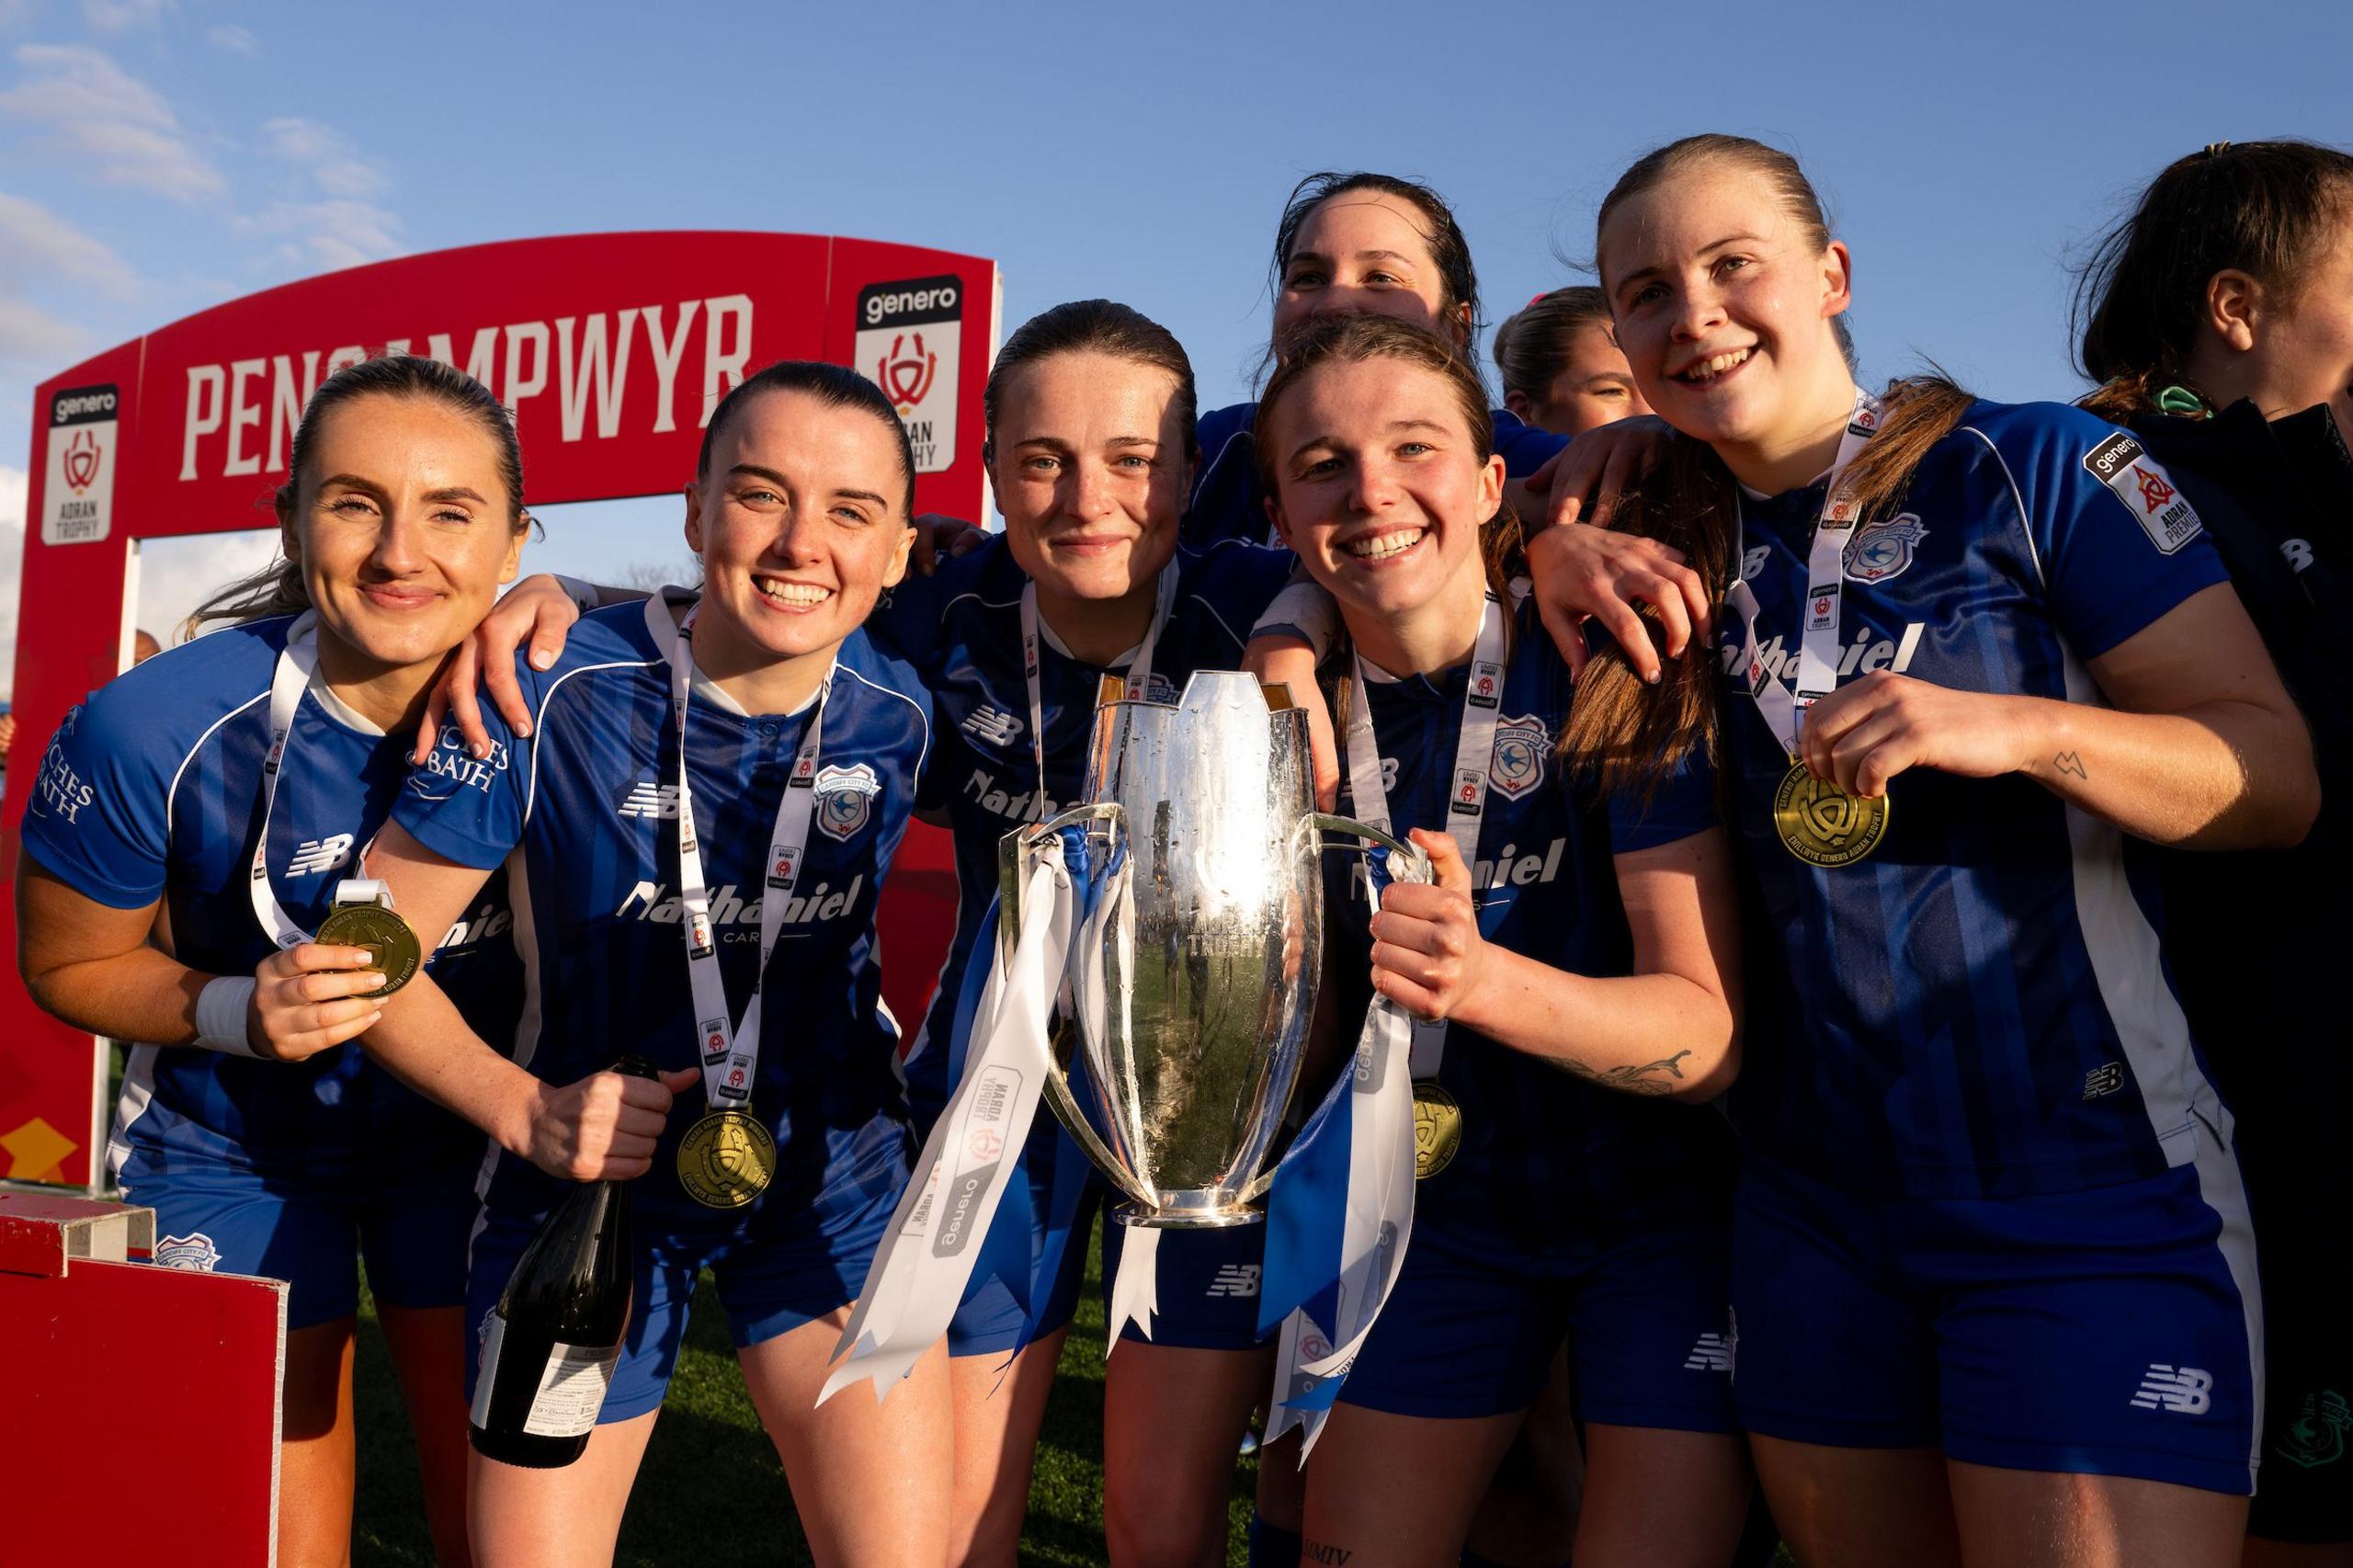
[
  {"x": 1139, "y": 671},
  {"x": 1370, "y": 1112},
  {"x": 731, "y": 1047},
  {"x": 1826, "y": 572},
  {"x": 298, "y": 663}
]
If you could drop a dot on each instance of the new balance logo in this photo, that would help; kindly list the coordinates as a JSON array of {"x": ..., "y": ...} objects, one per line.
[
  {"x": 1235, "y": 1279},
  {"x": 317, "y": 855},
  {"x": 2188, "y": 1391},
  {"x": 647, "y": 798},
  {"x": 1712, "y": 1353},
  {"x": 994, "y": 725}
]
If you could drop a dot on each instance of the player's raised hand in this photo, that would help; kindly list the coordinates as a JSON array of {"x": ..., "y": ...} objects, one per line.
[{"x": 310, "y": 998}]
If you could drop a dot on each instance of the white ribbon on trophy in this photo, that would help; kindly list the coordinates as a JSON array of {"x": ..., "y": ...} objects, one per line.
[{"x": 919, "y": 1272}]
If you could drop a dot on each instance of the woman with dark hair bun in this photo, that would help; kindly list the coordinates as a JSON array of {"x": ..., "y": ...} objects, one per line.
[
  {"x": 709, "y": 798},
  {"x": 190, "y": 828},
  {"x": 2217, "y": 320}
]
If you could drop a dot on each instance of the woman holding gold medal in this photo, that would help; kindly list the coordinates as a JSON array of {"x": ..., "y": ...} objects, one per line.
[
  {"x": 1572, "y": 969},
  {"x": 706, "y": 781},
  {"x": 194, "y": 878},
  {"x": 1993, "y": 1275}
]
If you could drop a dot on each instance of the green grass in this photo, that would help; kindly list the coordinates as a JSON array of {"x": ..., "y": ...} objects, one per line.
[{"x": 712, "y": 1479}]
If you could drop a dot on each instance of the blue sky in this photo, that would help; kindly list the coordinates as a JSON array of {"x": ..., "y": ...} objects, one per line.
[{"x": 157, "y": 156}]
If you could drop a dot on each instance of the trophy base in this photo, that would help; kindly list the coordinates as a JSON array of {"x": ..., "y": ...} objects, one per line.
[{"x": 1186, "y": 1218}]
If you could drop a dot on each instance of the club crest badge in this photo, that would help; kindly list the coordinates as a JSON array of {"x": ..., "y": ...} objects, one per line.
[
  {"x": 845, "y": 800},
  {"x": 1519, "y": 763},
  {"x": 1884, "y": 549},
  {"x": 191, "y": 1253}
]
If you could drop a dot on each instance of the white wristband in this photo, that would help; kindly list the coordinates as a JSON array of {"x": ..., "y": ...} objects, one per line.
[
  {"x": 1306, "y": 609},
  {"x": 221, "y": 1010},
  {"x": 581, "y": 593}
]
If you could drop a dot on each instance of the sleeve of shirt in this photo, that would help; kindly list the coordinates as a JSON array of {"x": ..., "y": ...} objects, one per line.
[
  {"x": 468, "y": 808},
  {"x": 1525, "y": 449},
  {"x": 907, "y": 624},
  {"x": 1236, "y": 582},
  {"x": 96, "y": 818},
  {"x": 2119, "y": 543},
  {"x": 1683, "y": 805}
]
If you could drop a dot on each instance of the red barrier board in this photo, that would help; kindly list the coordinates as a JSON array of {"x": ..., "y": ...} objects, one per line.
[
  {"x": 172, "y": 1376},
  {"x": 611, "y": 349}
]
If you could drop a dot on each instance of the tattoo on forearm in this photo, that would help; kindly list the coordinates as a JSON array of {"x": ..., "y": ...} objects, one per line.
[
  {"x": 1634, "y": 1080},
  {"x": 1323, "y": 1551},
  {"x": 2071, "y": 762}
]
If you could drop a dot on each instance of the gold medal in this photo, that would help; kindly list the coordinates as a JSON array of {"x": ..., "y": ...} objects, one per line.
[
  {"x": 392, "y": 945},
  {"x": 1437, "y": 1128},
  {"x": 1824, "y": 825},
  {"x": 726, "y": 1160}
]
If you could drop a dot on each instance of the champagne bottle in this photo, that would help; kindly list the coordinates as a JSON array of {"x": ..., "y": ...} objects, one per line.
[{"x": 548, "y": 1348}]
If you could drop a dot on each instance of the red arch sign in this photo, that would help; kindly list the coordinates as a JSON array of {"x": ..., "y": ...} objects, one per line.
[{"x": 610, "y": 348}]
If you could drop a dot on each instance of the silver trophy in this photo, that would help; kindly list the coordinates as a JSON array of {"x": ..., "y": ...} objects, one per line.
[{"x": 1197, "y": 943}]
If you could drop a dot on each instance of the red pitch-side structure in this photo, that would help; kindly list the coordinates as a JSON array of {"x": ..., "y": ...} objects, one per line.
[{"x": 611, "y": 349}]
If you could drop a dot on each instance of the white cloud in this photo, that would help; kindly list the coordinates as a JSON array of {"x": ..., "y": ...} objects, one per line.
[
  {"x": 13, "y": 490},
  {"x": 31, "y": 336},
  {"x": 36, "y": 244},
  {"x": 331, "y": 233},
  {"x": 122, "y": 16},
  {"x": 100, "y": 115},
  {"x": 230, "y": 39},
  {"x": 322, "y": 152}
]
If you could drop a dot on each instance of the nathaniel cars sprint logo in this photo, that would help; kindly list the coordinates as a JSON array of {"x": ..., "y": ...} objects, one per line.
[
  {"x": 994, "y": 725},
  {"x": 2185, "y": 1391},
  {"x": 647, "y": 798},
  {"x": 316, "y": 855},
  {"x": 1237, "y": 1280},
  {"x": 908, "y": 335}
]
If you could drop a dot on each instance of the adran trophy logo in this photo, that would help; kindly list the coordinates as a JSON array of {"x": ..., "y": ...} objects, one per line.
[
  {"x": 83, "y": 454},
  {"x": 905, "y": 374}
]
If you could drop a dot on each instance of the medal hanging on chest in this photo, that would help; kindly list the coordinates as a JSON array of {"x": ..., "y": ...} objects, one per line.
[
  {"x": 728, "y": 1157},
  {"x": 363, "y": 915},
  {"x": 1438, "y": 1116},
  {"x": 1816, "y": 820}
]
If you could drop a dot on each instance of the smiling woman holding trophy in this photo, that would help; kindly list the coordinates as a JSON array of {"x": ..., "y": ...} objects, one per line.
[{"x": 1569, "y": 973}]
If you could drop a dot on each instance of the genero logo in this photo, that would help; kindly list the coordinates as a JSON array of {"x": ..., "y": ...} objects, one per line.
[
  {"x": 908, "y": 337},
  {"x": 77, "y": 500}
]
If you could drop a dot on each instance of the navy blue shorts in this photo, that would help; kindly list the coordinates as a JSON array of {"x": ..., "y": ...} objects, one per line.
[
  {"x": 1207, "y": 1294},
  {"x": 310, "y": 1227},
  {"x": 770, "y": 1284},
  {"x": 1644, "y": 1317},
  {"x": 2098, "y": 1333}
]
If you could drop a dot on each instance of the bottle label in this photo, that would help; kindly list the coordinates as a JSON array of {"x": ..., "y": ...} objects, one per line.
[
  {"x": 572, "y": 1389},
  {"x": 572, "y": 1385}
]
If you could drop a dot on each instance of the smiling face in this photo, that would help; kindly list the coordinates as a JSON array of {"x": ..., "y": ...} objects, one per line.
[
  {"x": 1090, "y": 471},
  {"x": 1594, "y": 387},
  {"x": 800, "y": 524},
  {"x": 1723, "y": 308},
  {"x": 1366, "y": 253},
  {"x": 403, "y": 528},
  {"x": 1380, "y": 488}
]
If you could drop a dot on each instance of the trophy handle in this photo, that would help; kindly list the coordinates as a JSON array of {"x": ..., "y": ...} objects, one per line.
[
  {"x": 1016, "y": 851},
  {"x": 1417, "y": 865},
  {"x": 1415, "y": 868}
]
